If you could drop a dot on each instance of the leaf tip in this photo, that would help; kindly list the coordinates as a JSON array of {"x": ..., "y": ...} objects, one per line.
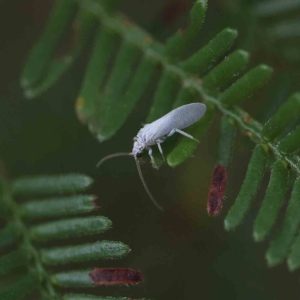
[
  {"x": 292, "y": 265},
  {"x": 24, "y": 83},
  {"x": 227, "y": 225},
  {"x": 28, "y": 93},
  {"x": 257, "y": 236},
  {"x": 271, "y": 260},
  {"x": 244, "y": 54},
  {"x": 231, "y": 31},
  {"x": 266, "y": 69}
]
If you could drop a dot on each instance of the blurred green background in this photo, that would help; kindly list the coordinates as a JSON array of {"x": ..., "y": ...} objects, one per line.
[{"x": 183, "y": 253}]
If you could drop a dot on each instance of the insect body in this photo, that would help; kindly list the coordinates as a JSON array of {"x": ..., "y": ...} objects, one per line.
[{"x": 156, "y": 132}]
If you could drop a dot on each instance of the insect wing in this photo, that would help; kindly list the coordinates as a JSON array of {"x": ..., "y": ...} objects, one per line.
[{"x": 179, "y": 118}]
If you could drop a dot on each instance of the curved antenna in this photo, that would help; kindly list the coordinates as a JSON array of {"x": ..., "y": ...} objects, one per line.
[
  {"x": 145, "y": 185},
  {"x": 112, "y": 156}
]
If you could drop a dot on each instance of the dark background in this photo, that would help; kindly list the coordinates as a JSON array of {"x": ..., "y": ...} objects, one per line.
[{"x": 183, "y": 253}]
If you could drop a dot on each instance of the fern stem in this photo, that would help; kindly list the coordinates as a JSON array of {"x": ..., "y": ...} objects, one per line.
[{"x": 28, "y": 245}]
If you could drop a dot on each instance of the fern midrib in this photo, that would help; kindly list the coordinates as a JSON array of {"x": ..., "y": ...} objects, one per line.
[
  {"x": 33, "y": 252},
  {"x": 141, "y": 39}
]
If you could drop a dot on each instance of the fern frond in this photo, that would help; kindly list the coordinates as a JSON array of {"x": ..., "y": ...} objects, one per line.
[
  {"x": 108, "y": 96},
  {"x": 28, "y": 258}
]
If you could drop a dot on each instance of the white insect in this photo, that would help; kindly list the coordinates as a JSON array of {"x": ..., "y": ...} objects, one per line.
[{"x": 156, "y": 132}]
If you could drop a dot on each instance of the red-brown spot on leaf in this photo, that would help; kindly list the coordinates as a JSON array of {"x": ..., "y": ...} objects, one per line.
[
  {"x": 217, "y": 190},
  {"x": 112, "y": 276}
]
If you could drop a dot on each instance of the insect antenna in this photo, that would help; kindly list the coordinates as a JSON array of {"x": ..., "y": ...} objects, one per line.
[
  {"x": 145, "y": 185},
  {"x": 112, "y": 156}
]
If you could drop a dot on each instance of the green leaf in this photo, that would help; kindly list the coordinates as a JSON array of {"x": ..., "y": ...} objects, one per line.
[
  {"x": 226, "y": 141},
  {"x": 186, "y": 147},
  {"x": 70, "y": 228},
  {"x": 117, "y": 81},
  {"x": 246, "y": 85},
  {"x": 52, "y": 184},
  {"x": 73, "y": 279},
  {"x": 41, "y": 54},
  {"x": 291, "y": 143},
  {"x": 58, "y": 206},
  {"x": 21, "y": 288},
  {"x": 85, "y": 24},
  {"x": 12, "y": 261},
  {"x": 272, "y": 202},
  {"x": 164, "y": 96},
  {"x": 181, "y": 41},
  {"x": 105, "y": 42},
  {"x": 285, "y": 116},
  {"x": 221, "y": 75},
  {"x": 280, "y": 246},
  {"x": 128, "y": 100},
  {"x": 210, "y": 53},
  {"x": 254, "y": 176},
  {"x": 84, "y": 252}
]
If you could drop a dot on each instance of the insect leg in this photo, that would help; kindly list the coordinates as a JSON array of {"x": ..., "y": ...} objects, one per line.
[
  {"x": 152, "y": 158},
  {"x": 160, "y": 148},
  {"x": 182, "y": 133}
]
